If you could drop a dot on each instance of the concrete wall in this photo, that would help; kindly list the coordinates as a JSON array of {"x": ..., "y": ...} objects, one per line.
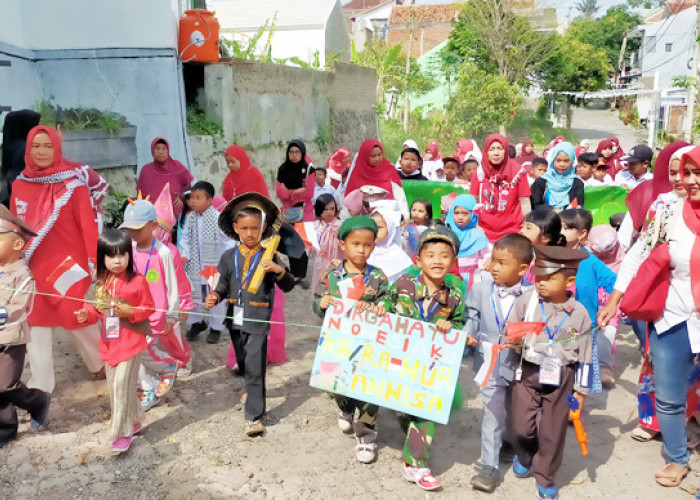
[{"x": 263, "y": 106}]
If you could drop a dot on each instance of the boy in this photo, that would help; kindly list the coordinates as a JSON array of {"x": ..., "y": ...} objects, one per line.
[
  {"x": 321, "y": 186},
  {"x": 411, "y": 162},
  {"x": 451, "y": 167},
  {"x": 592, "y": 275},
  {"x": 601, "y": 176},
  {"x": 201, "y": 246},
  {"x": 427, "y": 297},
  {"x": 552, "y": 364},
  {"x": 489, "y": 306},
  {"x": 249, "y": 218},
  {"x": 470, "y": 164},
  {"x": 16, "y": 300},
  {"x": 356, "y": 238},
  {"x": 638, "y": 164},
  {"x": 585, "y": 166},
  {"x": 539, "y": 167}
]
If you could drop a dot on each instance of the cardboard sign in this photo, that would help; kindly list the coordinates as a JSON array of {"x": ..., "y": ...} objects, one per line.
[{"x": 395, "y": 362}]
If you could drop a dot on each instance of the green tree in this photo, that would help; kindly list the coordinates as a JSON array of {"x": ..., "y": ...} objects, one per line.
[{"x": 588, "y": 8}]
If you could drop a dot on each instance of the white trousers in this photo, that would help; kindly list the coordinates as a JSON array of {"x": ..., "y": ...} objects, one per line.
[{"x": 40, "y": 352}]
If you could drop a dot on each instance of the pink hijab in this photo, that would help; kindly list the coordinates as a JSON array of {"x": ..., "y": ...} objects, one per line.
[{"x": 603, "y": 242}]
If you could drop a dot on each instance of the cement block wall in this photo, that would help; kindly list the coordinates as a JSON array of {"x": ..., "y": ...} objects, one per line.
[{"x": 263, "y": 106}]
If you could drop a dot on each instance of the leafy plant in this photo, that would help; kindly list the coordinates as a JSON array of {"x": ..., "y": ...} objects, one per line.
[
  {"x": 199, "y": 124},
  {"x": 79, "y": 118},
  {"x": 113, "y": 208}
]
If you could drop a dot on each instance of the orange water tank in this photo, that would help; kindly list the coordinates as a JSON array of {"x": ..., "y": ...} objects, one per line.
[{"x": 199, "y": 36}]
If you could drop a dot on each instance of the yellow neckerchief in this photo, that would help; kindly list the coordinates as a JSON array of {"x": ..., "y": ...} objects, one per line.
[{"x": 248, "y": 254}]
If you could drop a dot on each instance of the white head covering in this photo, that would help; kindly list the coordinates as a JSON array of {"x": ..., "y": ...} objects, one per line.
[
  {"x": 389, "y": 255},
  {"x": 408, "y": 143}
]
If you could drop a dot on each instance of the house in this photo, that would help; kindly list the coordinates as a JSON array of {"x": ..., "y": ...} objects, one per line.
[
  {"x": 309, "y": 30},
  {"x": 429, "y": 25},
  {"x": 368, "y": 24}
]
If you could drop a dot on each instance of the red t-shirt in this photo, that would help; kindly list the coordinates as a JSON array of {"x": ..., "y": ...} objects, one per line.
[{"x": 501, "y": 213}]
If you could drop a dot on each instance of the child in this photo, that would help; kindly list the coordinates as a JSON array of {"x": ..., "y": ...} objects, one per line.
[
  {"x": 638, "y": 165},
  {"x": 16, "y": 300},
  {"x": 451, "y": 167},
  {"x": 489, "y": 306},
  {"x": 154, "y": 261},
  {"x": 124, "y": 304},
  {"x": 473, "y": 245},
  {"x": 388, "y": 255},
  {"x": 542, "y": 226},
  {"x": 421, "y": 215},
  {"x": 585, "y": 166},
  {"x": 427, "y": 297},
  {"x": 539, "y": 167},
  {"x": 202, "y": 246},
  {"x": 470, "y": 164},
  {"x": 559, "y": 187},
  {"x": 549, "y": 371},
  {"x": 411, "y": 162},
  {"x": 592, "y": 275},
  {"x": 321, "y": 186},
  {"x": 326, "y": 225},
  {"x": 247, "y": 218},
  {"x": 357, "y": 236},
  {"x": 182, "y": 219}
]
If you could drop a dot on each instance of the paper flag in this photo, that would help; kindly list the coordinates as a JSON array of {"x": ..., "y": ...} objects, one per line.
[
  {"x": 307, "y": 231},
  {"x": 516, "y": 330},
  {"x": 211, "y": 274},
  {"x": 67, "y": 274},
  {"x": 490, "y": 352},
  {"x": 352, "y": 288}
]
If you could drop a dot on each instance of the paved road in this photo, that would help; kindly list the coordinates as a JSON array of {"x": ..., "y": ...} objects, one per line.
[{"x": 597, "y": 124}]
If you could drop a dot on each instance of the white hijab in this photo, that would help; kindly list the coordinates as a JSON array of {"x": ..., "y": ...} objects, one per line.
[
  {"x": 408, "y": 143},
  {"x": 389, "y": 255}
]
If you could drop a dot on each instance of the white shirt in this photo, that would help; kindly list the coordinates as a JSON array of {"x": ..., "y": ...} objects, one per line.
[
  {"x": 593, "y": 182},
  {"x": 327, "y": 189},
  {"x": 624, "y": 178}
]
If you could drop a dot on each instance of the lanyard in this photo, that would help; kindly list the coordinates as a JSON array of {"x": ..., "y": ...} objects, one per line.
[
  {"x": 148, "y": 262},
  {"x": 250, "y": 269},
  {"x": 320, "y": 236},
  {"x": 341, "y": 276},
  {"x": 544, "y": 318},
  {"x": 423, "y": 317},
  {"x": 495, "y": 312}
]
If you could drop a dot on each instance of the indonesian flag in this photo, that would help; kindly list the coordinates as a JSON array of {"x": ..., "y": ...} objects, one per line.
[
  {"x": 517, "y": 330},
  {"x": 307, "y": 231},
  {"x": 211, "y": 274},
  {"x": 67, "y": 274},
  {"x": 490, "y": 352},
  {"x": 352, "y": 288}
]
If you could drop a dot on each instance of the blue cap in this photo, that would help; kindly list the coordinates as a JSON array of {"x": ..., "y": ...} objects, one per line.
[{"x": 138, "y": 214}]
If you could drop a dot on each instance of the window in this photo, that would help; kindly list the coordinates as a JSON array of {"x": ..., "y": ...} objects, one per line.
[
  {"x": 650, "y": 44},
  {"x": 669, "y": 47}
]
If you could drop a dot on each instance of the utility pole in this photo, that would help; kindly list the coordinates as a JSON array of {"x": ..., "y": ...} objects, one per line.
[
  {"x": 693, "y": 88},
  {"x": 653, "y": 120},
  {"x": 408, "y": 71}
]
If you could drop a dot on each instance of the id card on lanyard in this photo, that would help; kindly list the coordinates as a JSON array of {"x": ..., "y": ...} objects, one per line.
[
  {"x": 419, "y": 302},
  {"x": 550, "y": 367},
  {"x": 239, "y": 308},
  {"x": 111, "y": 322}
]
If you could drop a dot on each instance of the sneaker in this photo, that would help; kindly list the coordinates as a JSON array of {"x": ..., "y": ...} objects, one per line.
[
  {"x": 213, "y": 337},
  {"x": 236, "y": 371},
  {"x": 366, "y": 453},
  {"x": 254, "y": 428},
  {"x": 167, "y": 379},
  {"x": 40, "y": 421},
  {"x": 550, "y": 493},
  {"x": 485, "y": 480},
  {"x": 195, "y": 330},
  {"x": 421, "y": 476},
  {"x": 148, "y": 399},
  {"x": 520, "y": 470},
  {"x": 345, "y": 421},
  {"x": 121, "y": 445}
]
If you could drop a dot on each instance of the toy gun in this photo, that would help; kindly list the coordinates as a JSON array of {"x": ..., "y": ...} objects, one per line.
[
  {"x": 575, "y": 416},
  {"x": 270, "y": 245}
]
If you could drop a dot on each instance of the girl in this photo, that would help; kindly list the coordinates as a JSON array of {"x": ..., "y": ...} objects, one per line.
[
  {"x": 559, "y": 187},
  {"x": 182, "y": 218},
  {"x": 388, "y": 254},
  {"x": 242, "y": 176},
  {"x": 473, "y": 245},
  {"x": 528, "y": 153},
  {"x": 542, "y": 226},
  {"x": 421, "y": 215},
  {"x": 605, "y": 148},
  {"x": 124, "y": 304},
  {"x": 326, "y": 224}
]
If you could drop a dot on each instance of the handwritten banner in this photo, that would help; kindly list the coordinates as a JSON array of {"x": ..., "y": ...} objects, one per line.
[{"x": 391, "y": 361}]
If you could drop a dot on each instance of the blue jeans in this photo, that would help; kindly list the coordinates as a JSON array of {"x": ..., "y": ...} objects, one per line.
[
  {"x": 639, "y": 328},
  {"x": 673, "y": 361}
]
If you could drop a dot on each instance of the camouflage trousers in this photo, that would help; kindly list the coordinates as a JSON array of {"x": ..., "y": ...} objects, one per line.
[
  {"x": 419, "y": 437},
  {"x": 365, "y": 424}
]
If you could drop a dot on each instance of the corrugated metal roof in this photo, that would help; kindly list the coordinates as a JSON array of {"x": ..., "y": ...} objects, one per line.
[{"x": 249, "y": 15}]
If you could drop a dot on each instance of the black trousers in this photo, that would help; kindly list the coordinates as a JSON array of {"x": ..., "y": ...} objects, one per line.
[
  {"x": 299, "y": 266},
  {"x": 251, "y": 355},
  {"x": 13, "y": 393}
]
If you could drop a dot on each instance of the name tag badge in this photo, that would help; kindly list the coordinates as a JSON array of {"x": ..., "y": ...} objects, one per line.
[
  {"x": 238, "y": 316},
  {"x": 550, "y": 371},
  {"x": 111, "y": 327}
]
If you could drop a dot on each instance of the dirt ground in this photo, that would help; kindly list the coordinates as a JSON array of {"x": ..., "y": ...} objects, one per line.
[{"x": 193, "y": 444}]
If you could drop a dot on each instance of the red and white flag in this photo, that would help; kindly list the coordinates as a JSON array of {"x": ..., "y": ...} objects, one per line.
[
  {"x": 307, "y": 231},
  {"x": 67, "y": 274},
  {"x": 490, "y": 352},
  {"x": 211, "y": 274}
]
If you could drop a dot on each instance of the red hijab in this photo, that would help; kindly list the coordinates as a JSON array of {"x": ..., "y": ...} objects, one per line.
[
  {"x": 506, "y": 170},
  {"x": 616, "y": 142},
  {"x": 464, "y": 146},
  {"x": 364, "y": 174},
  {"x": 247, "y": 179},
  {"x": 525, "y": 157},
  {"x": 610, "y": 160},
  {"x": 641, "y": 197},
  {"x": 691, "y": 217},
  {"x": 434, "y": 149},
  {"x": 335, "y": 166},
  {"x": 60, "y": 164}
]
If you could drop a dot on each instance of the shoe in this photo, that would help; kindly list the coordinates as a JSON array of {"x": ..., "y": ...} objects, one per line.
[
  {"x": 485, "y": 480},
  {"x": 213, "y": 337},
  {"x": 236, "y": 371},
  {"x": 366, "y": 453},
  {"x": 551, "y": 493},
  {"x": 305, "y": 285},
  {"x": 345, "y": 421},
  {"x": 120, "y": 445},
  {"x": 507, "y": 453},
  {"x": 148, "y": 399},
  {"x": 421, "y": 476},
  {"x": 519, "y": 470},
  {"x": 185, "y": 370},
  {"x": 40, "y": 421},
  {"x": 607, "y": 377},
  {"x": 138, "y": 427},
  {"x": 167, "y": 379},
  {"x": 254, "y": 428},
  {"x": 195, "y": 330}
]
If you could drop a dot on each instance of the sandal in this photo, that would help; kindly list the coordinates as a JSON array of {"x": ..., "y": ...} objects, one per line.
[
  {"x": 642, "y": 434},
  {"x": 254, "y": 427},
  {"x": 666, "y": 477}
]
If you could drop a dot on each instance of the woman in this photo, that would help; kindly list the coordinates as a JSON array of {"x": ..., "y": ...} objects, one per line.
[
  {"x": 674, "y": 338},
  {"x": 528, "y": 153},
  {"x": 432, "y": 152},
  {"x": 161, "y": 171},
  {"x": 242, "y": 176},
  {"x": 56, "y": 204},
  {"x": 372, "y": 169},
  {"x": 500, "y": 186},
  {"x": 559, "y": 187},
  {"x": 14, "y": 143},
  {"x": 617, "y": 151},
  {"x": 338, "y": 163}
]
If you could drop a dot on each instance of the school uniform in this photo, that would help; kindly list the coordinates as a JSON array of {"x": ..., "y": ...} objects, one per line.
[{"x": 489, "y": 307}]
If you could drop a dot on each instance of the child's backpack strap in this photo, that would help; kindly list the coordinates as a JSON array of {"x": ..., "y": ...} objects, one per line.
[{"x": 532, "y": 306}]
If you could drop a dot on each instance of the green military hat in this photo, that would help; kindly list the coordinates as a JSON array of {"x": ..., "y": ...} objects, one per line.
[
  {"x": 357, "y": 222},
  {"x": 438, "y": 232},
  {"x": 549, "y": 260}
]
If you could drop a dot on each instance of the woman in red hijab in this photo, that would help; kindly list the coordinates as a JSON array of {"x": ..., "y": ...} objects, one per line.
[
  {"x": 528, "y": 153},
  {"x": 338, "y": 163},
  {"x": 242, "y": 176},
  {"x": 605, "y": 148},
  {"x": 617, "y": 151},
  {"x": 432, "y": 152},
  {"x": 55, "y": 203},
  {"x": 500, "y": 186}
]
